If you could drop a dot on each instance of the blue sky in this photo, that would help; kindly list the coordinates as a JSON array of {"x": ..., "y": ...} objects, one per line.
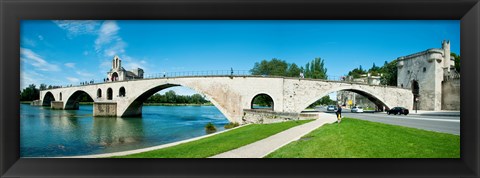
[{"x": 69, "y": 52}]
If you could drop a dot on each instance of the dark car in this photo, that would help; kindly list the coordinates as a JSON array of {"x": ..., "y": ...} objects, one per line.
[{"x": 398, "y": 110}]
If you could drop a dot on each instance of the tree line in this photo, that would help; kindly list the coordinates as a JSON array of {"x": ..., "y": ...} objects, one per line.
[
  {"x": 172, "y": 97},
  {"x": 276, "y": 67}
]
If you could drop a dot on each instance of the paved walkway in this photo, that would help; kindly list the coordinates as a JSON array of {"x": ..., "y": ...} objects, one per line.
[{"x": 266, "y": 146}]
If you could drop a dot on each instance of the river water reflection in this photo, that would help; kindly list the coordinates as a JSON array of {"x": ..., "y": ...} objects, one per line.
[{"x": 46, "y": 132}]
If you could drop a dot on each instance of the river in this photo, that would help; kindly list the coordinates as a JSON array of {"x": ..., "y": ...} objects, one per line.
[{"x": 50, "y": 133}]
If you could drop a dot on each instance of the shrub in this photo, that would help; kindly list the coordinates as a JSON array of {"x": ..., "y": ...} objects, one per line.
[
  {"x": 231, "y": 125},
  {"x": 210, "y": 128}
]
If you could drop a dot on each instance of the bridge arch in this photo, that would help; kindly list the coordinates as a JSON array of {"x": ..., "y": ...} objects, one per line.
[
  {"x": 378, "y": 100},
  {"x": 135, "y": 107},
  {"x": 72, "y": 101},
  {"x": 263, "y": 98},
  {"x": 47, "y": 98}
]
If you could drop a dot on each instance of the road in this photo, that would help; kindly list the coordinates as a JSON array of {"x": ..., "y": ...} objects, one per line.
[{"x": 445, "y": 124}]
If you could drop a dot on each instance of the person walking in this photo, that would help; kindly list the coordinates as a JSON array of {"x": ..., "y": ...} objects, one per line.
[{"x": 339, "y": 114}]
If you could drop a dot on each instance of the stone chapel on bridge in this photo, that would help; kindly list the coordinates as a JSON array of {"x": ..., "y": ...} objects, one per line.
[{"x": 118, "y": 73}]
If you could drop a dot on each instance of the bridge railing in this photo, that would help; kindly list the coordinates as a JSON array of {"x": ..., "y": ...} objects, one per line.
[{"x": 196, "y": 73}]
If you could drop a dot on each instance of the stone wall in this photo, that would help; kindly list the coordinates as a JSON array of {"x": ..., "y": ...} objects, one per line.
[
  {"x": 425, "y": 68},
  {"x": 259, "y": 116},
  {"x": 36, "y": 103},
  {"x": 57, "y": 105},
  {"x": 105, "y": 109},
  {"x": 451, "y": 95}
]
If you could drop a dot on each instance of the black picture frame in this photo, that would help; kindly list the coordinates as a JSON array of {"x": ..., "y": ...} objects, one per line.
[{"x": 13, "y": 11}]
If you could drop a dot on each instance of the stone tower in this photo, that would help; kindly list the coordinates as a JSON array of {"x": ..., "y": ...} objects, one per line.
[
  {"x": 423, "y": 73},
  {"x": 118, "y": 73},
  {"x": 447, "y": 62},
  {"x": 116, "y": 63}
]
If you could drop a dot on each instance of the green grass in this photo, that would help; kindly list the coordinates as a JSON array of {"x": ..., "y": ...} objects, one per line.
[
  {"x": 220, "y": 143},
  {"x": 354, "y": 138}
]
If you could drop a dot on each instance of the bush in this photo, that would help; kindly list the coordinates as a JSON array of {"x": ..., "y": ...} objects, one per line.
[
  {"x": 231, "y": 125},
  {"x": 210, "y": 128}
]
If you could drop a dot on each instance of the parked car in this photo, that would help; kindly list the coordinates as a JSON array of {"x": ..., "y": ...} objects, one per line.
[
  {"x": 331, "y": 108},
  {"x": 398, "y": 110},
  {"x": 357, "y": 109}
]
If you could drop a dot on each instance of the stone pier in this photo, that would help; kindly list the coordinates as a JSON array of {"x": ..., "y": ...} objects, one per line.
[
  {"x": 105, "y": 109},
  {"x": 56, "y": 104}
]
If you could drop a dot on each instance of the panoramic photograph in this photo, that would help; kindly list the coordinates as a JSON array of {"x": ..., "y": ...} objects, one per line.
[{"x": 240, "y": 88}]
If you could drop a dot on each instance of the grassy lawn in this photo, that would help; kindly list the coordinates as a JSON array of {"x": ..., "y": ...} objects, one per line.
[
  {"x": 219, "y": 143},
  {"x": 355, "y": 138}
]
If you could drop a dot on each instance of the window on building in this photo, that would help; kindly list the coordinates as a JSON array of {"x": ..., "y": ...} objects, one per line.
[{"x": 424, "y": 69}]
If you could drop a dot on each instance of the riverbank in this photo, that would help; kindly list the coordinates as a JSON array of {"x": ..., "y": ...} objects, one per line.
[{"x": 219, "y": 143}]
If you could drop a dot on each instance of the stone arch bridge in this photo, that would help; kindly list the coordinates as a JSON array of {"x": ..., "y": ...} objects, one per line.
[{"x": 230, "y": 94}]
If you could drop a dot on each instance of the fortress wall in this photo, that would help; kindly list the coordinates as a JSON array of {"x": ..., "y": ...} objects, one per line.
[{"x": 451, "y": 95}]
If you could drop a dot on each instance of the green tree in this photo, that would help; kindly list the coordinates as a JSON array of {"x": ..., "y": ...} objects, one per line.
[
  {"x": 43, "y": 86},
  {"x": 316, "y": 69},
  {"x": 357, "y": 72},
  {"x": 171, "y": 96},
  {"x": 84, "y": 97},
  {"x": 457, "y": 61},
  {"x": 263, "y": 100},
  {"x": 375, "y": 70},
  {"x": 30, "y": 93},
  {"x": 389, "y": 71},
  {"x": 293, "y": 70},
  {"x": 274, "y": 67}
]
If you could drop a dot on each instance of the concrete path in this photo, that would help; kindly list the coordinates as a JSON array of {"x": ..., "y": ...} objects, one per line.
[{"x": 266, "y": 146}]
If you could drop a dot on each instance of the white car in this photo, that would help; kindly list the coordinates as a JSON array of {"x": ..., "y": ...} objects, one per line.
[
  {"x": 357, "y": 109},
  {"x": 331, "y": 108}
]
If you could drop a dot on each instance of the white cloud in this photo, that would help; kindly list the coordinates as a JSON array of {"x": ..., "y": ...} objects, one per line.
[
  {"x": 107, "y": 63},
  {"x": 28, "y": 42},
  {"x": 78, "y": 27},
  {"x": 115, "y": 49},
  {"x": 86, "y": 53},
  {"x": 40, "y": 37},
  {"x": 32, "y": 58},
  {"x": 73, "y": 79},
  {"x": 30, "y": 77},
  {"x": 132, "y": 63},
  {"x": 70, "y": 65},
  {"x": 84, "y": 74},
  {"x": 108, "y": 42}
]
